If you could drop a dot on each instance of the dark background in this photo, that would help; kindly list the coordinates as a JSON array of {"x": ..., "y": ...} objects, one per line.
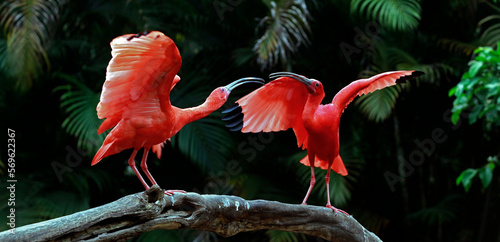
[{"x": 51, "y": 85}]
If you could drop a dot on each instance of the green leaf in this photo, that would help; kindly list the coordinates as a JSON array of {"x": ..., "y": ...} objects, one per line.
[
  {"x": 286, "y": 27},
  {"x": 206, "y": 143},
  {"x": 479, "y": 88},
  {"x": 444, "y": 211},
  {"x": 396, "y": 14},
  {"x": 29, "y": 26},
  {"x": 486, "y": 174},
  {"x": 378, "y": 105},
  {"x": 466, "y": 178},
  {"x": 455, "y": 117},
  {"x": 474, "y": 114},
  {"x": 452, "y": 91},
  {"x": 80, "y": 102},
  {"x": 475, "y": 67}
]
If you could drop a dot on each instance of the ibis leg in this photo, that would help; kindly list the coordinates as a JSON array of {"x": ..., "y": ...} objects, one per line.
[
  {"x": 144, "y": 167},
  {"x": 327, "y": 180},
  {"x": 131, "y": 163},
  {"x": 313, "y": 178}
]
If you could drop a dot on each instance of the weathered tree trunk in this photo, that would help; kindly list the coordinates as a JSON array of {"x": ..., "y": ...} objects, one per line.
[{"x": 134, "y": 214}]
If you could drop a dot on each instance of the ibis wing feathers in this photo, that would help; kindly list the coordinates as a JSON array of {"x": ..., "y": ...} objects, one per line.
[
  {"x": 337, "y": 166},
  {"x": 276, "y": 106},
  {"x": 139, "y": 76},
  {"x": 175, "y": 81},
  {"x": 365, "y": 86},
  {"x": 157, "y": 149}
]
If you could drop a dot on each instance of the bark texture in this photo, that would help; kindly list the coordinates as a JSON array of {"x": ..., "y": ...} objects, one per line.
[{"x": 135, "y": 214}]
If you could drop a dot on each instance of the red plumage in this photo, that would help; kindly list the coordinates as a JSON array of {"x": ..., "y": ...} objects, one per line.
[
  {"x": 135, "y": 98},
  {"x": 294, "y": 101}
]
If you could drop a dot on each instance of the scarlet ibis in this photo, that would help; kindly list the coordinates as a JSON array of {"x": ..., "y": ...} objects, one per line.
[
  {"x": 135, "y": 98},
  {"x": 294, "y": 101}
]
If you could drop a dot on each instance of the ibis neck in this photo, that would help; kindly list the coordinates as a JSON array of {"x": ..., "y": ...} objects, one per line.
[
  {"x": 312, "y": 104},
  {"x": 212, "y": 103}
]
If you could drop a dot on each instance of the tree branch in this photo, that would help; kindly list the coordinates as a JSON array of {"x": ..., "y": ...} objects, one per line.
[{"x": 135, "y": 214}]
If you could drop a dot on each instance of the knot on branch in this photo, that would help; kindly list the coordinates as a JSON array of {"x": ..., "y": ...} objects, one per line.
[{"x": 154, "y": 194}]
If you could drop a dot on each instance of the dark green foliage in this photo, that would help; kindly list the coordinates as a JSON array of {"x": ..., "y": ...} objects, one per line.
[
  {"x": 52, "y": 79},
  {"x": 286, "y": 30},
  {"x": 479, "y": 90},
  {"x": 484, "y": 173},
  {"x": 397, "y": 14}
]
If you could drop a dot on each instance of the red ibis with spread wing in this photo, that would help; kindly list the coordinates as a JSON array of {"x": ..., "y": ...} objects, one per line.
[
  {"x": 294, "y": 101},
  {"x": 135, "y": 99}
]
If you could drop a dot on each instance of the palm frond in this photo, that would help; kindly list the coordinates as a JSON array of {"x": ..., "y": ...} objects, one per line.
[
  {"x": 80, "y": 103},
  {"x": 28, "y": 25},
  {"x": 377, "y": 106},
  {"x": 399, "y": 59},
  {"x": 402, "y": 15},
  {"x": 40, "y": 203},
  {"x": 442, "y": 212},
  {"x": 456, "y": 46},
  {"x": 60, "y": 203},
  {"x": 3, "y": 56},
  {"x": 285, "y": 33},
  {"x": 206, "y": 142},
  {"x": 491, "y": 35}
]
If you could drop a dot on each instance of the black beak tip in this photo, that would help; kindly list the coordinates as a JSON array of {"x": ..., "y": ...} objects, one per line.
[
  {"x": 413, "y": 75},
  {"x": 417, "y": 73}
]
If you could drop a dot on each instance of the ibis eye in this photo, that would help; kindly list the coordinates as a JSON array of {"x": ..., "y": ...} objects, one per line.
[{"x": 317, "y": 84}]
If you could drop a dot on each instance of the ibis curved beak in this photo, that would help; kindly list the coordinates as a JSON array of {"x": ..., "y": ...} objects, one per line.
[
  {"x": 242, "y": 81},
  {"x": 297, "y": 77}
]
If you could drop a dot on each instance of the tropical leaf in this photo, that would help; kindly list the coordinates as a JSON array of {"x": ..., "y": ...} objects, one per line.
[
  {"x": 205, "y": 142},
  {"x": 387, "y": 57},
  {"x": 28, "y": 25},
  {"x": 442, "y": 212},
  {"x": 456, "y": 46},
  {"x": 402, "y": 15},
  {"x": 377, "y": 106},
  {"x": 3, "y": 56},
  {"x": 40, "y": 202},
  {"x": 491, "y": 35},
  {"x": 287, "y": 25},
  {"x": 80, "y": 103},
  {"x": 60, "y": 203}
]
